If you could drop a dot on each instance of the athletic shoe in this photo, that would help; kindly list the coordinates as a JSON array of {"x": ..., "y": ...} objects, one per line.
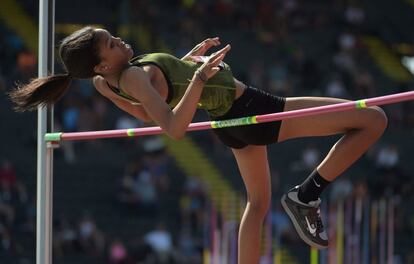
[{"x": 306, "y": 218}]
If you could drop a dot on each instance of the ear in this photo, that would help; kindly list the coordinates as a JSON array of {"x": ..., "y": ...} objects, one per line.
[{"x": 101, "y": 68}]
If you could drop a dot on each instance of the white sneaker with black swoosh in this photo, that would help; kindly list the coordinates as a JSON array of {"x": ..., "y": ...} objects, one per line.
[{"x": 306, "y": 219}]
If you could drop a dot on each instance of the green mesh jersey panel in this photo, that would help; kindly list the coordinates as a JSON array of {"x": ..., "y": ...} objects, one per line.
[{"x": 218, "y": 92}]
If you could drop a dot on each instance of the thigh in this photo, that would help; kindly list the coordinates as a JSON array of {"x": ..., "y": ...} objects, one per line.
[
  {"x": 254, "y": 168},
  {"x": 253, "y": 102},
  {"x": 322, "y": 124}
]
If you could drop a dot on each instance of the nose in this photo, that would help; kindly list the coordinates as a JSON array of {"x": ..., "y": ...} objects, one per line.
[
  {"x": 121, "y": 42},
  {"x": 118, "y": 40}
]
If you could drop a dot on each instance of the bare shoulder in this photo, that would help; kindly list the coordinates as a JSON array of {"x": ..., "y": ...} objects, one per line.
[
  {"x": 98, "y": 82},
  {"x": 133, "y": 74},
  {"x": 102, "y": 87}
]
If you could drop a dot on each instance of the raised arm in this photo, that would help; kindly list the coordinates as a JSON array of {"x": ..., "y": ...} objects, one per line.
[
  {"x": 136, "y": 111},
  {"x": 173, "y": 122}
]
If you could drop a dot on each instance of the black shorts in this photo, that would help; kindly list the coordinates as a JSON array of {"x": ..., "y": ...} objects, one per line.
[{"x": 252, "y": 102}]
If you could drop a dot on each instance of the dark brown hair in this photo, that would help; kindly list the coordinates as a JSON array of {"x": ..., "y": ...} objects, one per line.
[{"x": 79, "y": 53}]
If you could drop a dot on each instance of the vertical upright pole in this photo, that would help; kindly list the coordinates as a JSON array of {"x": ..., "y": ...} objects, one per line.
[
  {"x": 357, "y": 230},
  {"x": 314, "y": 255},
  {"x": 390, "y": 242},
  {"x": 323, "y": 254},
  {"x": 340, "y": 232},
  {"x": 366, "y": 232},
  {"x": 213, "y": 232},
  {"x": 44, "y": 155},
  {"x": 374, "y": 232},
  {"x": 382, "y": 229},
  {"x": 333, "y": 232},
  {"x": 348, "y": 231},
  {"x": 269, "y": 237},
  {"x": 277, "y": 247},
  {"x": 233, "y": 243},
  {"x": 207, "y": 238},
  {"x": 225, "y": 224}
]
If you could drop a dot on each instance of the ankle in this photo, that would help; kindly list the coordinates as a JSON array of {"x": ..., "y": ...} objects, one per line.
[{"x": 312, "y": 187}]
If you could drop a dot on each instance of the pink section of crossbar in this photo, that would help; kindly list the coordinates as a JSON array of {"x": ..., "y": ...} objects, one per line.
[
  {"x": 144, "y": 131},
  {"x": 381, "y": 100},
  {"x": 388, "y": 99}
]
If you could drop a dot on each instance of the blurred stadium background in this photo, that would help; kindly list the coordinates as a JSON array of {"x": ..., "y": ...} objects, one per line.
[{"x": 152, "y": 200}]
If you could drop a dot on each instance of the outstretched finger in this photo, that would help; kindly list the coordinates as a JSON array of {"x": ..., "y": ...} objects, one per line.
[
  {"x": 217, "y": 60},
  {"x": 218, "y": 53},
  {"x": 208, "y": 44},
  {"x": 216, "y": 41},
  {"x": 212, "y": 41}
]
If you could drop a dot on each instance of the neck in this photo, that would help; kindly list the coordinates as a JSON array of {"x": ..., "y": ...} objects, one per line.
[{"x": 113, "y": 77}]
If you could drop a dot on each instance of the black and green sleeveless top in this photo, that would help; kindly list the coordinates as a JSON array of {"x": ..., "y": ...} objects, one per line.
[{"x": 218, "y": 93}]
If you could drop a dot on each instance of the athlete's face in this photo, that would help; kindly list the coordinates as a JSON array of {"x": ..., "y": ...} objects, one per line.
[{"x": 114, "y": 53}]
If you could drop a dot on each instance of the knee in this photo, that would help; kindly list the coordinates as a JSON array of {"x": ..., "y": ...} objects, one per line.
[
  {"x": 378, "y": 120},
  {"x": 260, "y": 205}
]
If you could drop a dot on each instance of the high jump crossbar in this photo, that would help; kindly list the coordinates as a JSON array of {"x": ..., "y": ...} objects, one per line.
[{"x": 134, "y": 132}]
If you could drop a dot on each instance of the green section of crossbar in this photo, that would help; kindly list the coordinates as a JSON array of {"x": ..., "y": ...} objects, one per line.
[
  {"x": 360, "y": 104},
  {"x": 53, "y": 136},
  {"x": 234, "y": 122}
]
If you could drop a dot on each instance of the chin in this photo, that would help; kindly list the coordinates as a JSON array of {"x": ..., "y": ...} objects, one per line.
[{"x": 130, "y": 54}]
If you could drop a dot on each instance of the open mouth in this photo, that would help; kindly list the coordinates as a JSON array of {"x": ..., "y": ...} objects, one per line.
[{"x": 126, "y": 46}]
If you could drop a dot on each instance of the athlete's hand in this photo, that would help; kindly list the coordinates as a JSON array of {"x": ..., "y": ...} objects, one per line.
[
  {"x": 210, "y": 67},
  {"x": 201, "y": 48}
]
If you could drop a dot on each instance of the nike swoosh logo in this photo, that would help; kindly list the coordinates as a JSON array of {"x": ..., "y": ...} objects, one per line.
[
  {"x": 317, "y": 185},
  {"x": 311, "y": 230},
  {"x": 251, "y": 99}
]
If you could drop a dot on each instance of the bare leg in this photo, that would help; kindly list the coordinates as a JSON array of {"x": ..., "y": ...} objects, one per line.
[
  {"x": 254, "y": 168},
  {"x": 361, "y": 128}
]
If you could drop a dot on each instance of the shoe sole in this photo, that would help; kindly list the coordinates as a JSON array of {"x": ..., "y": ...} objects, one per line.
[{"x": 297, "y": 226}]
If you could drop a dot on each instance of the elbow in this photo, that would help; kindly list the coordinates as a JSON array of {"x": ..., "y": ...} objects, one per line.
[
  {"x": 174, "y": 129},
  {"x": 176, "y": 135},
  {"x": 145, "y": 119}
]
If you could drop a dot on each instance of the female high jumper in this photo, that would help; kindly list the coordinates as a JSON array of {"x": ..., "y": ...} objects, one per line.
[{"x": 167, "y": 90}]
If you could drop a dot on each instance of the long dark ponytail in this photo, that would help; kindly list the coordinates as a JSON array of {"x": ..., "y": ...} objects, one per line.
[
  {"x": 79, "y": 54},
  {"x": 40, "y": 92}
]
